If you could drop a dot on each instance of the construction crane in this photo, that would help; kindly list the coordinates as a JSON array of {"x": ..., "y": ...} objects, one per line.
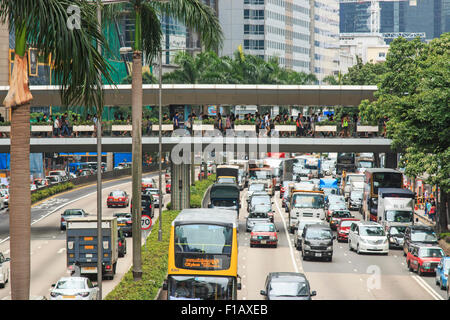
[{"x": 374, "y": 10}]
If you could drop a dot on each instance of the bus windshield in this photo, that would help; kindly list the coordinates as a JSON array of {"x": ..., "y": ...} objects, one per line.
[
  {"x": 203, "y": 246},
  {"x": 308, "y": 201},
  {"x": 386, "y": 180},
  {"x": 200, "y": 288}
]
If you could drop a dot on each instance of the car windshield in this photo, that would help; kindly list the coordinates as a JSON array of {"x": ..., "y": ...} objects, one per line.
[
  {"x": 262, "y": 208},
  {"x": 399, "y": 216},
  {"x": 396, "y": 230},
  {"x": 256, "y": 214},
  {"x": 374, "y": 231},
  {"x": 431, "y": 253},
  {"x": 260, "y": 200},
  {"x": 256, "y": 187},
  {"x": 346, "y": 223},
  {"x": 73, "y": 212},
  {"x": 70, "y": 284},
  {"x": 423, "y": 236},
  {"x": 341, "y": 214},
  {"x": 308, "y": 201},
  {"x": 288, "y": 289},
  {"x": 318, "y": 234},
  {"x": 147, "y": 180},
  {"x": 337, "y": 206},
  {"x": 263, "y": 228},
  {"x": 117, "y": 194}
]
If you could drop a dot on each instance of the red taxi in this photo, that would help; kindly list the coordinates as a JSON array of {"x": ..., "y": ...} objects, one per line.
[
  {"x": 424, "y": 259},
  {"x": 264, "y": 234},
  {"x": 118, "y": 198},
  {"x": 336, "y": 217},
  {"x": 168, "y": 186},
  {"x": 343, "y": 228}
]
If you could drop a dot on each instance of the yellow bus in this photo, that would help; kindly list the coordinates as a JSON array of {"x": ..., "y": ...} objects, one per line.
[{"x": 203, "y": 256}]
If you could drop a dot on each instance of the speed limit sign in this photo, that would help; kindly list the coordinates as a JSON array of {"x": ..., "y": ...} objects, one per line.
[{"x": 146, "y": 222}]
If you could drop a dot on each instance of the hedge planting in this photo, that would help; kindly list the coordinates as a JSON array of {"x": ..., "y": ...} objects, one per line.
[
  {"x": 154, "y": 265},
  {"x": 197, "y": 192},
  {"x": 45, "y": 193}
]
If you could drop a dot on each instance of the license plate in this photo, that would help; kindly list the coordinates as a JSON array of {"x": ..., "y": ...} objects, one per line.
[
  {"x": 263, "y": 241},
  {"x": 68, "y": 297},
  {"x": 318, "y": 254}
]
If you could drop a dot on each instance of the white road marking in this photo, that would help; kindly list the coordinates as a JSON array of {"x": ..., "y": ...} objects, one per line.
[
  {"x": 427, "y": 287},
  {"x": 61, "y": 250},
  {"x": 287, "y": 237}
]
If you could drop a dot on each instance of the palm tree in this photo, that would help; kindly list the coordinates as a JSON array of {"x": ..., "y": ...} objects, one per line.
[
  {"x": 147, "y": 38},
  {"x": 44, "y": 24}
]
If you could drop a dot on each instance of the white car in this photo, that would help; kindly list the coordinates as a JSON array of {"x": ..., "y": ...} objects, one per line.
[
  {"x": 74, "y": 288},
  {"x": 4, "y": 195},
  {"x": 4, "y": 270},
  {"x": 369, "y": 237}
]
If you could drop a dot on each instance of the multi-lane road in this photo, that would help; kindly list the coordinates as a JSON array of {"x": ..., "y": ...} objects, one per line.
[
  {"x": 348, "y": 277},
  {"x": 48, "y": 242}
]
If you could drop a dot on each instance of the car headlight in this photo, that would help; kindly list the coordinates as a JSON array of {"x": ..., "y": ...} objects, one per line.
[
  {"x": 83, "y": 294},
  {"x": 363, "y": 240},
  {"x": 254, "y": 238},
  {"x": 55, "y": 294},
  {"x": 307, "y": 247},
  {"x": 273, "y": 238},
  {"x": 329, "y": 248},
  {"x": 385, "y": 241}
]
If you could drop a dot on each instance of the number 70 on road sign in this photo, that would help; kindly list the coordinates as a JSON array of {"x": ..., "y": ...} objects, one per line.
[{"x": 146, "y": 222}]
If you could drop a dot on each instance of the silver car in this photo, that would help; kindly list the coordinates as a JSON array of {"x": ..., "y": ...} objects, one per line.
[{"x": 74, "y": 288}]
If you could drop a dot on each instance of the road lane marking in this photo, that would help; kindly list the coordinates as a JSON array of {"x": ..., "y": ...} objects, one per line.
[
  {"x": 287, "y": 237},
  {"x": 427, "y": 287},
  {"x": 61, "y": 250}
]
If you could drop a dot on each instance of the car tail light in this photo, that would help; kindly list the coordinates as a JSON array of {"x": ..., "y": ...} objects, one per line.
[
  {"x": 120, "y": 244},
  {"x": 108, "y": 267},
  {"x": 128, "y": 222}
]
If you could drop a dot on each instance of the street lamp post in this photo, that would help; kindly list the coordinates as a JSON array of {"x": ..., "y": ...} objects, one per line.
[{"x": 160, "y": 125}]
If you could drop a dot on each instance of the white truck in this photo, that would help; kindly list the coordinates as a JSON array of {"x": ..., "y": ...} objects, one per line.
[
  {"x": 352, "y": 181},
  {"x": 395, "y": 207},
  {"x": 305, "y": 204}
]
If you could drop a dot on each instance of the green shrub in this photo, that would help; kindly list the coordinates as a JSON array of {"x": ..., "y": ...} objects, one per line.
[
  {"x": 154, "y": 266},
  {"x": 45, "y": 193}
]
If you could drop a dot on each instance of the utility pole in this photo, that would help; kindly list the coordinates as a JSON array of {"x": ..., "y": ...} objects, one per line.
[{"x": 99, "y": 174}]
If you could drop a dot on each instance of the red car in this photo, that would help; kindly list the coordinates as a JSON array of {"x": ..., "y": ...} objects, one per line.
[
  {"x": 424, "y": 259},
  {"x": 264, "y": 234},
  {"x": 344, "y": 227},
  {"x": 168, "y": 186},
  {"x": 118, "y": 198}
]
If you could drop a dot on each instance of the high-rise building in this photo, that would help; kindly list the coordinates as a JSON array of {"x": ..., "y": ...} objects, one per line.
[
  {"x": 431, "y": 17},
  {"x": 271, "y": 28},
  {"x": 325, "y": 42}
]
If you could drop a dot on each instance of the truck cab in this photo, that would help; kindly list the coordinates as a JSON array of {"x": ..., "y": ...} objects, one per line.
[
  {"x": 305, "y": 204},
  {"x": 225, "y": 196},
  {"x": 395, "y": 207}
]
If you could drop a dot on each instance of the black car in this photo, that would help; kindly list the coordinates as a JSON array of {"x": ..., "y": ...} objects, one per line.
[
  {"x": 396, "y": 236},
  {"x": 124, "y": 223},
  {"x": 122, "y": 243},
  {"x": 146, "y": 204},
  {"x": 418, "y": 234},
  {"x": 287, "y": 286},
  {"x": 317, "y": 242}
]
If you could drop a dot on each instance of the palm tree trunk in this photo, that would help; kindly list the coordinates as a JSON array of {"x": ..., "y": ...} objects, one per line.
[
  {"x": 136, "y": 115},
  {"x": 20, "y": 203}
]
